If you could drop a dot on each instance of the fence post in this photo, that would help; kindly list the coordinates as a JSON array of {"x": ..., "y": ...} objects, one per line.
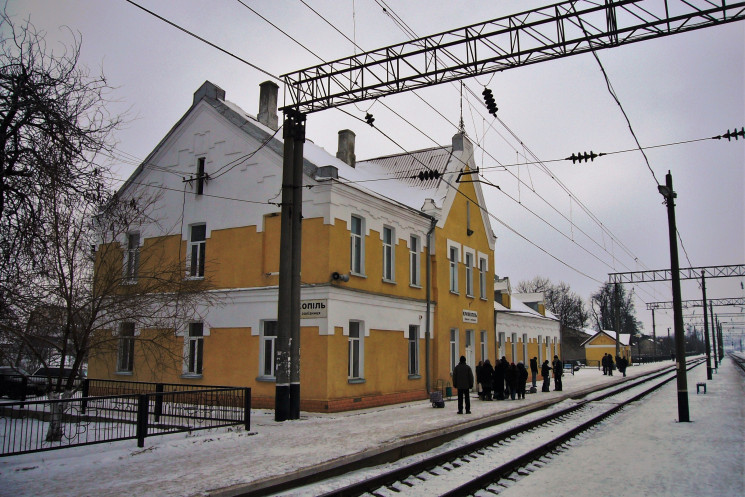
[
  {"x": 158, "y": 401},
  {"x": 84, "y": 404},
  {"x": 142, "y": 408},
  {"x": 247, "y": 408}
]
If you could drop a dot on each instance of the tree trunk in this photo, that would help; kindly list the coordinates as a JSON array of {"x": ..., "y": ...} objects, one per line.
[{"x": 56, "y": 411}]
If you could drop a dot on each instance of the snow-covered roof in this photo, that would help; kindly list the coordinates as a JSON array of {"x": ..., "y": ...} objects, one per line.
[
  {"x": 520, "y": 309},
  {"x": 623, "y": 338}
]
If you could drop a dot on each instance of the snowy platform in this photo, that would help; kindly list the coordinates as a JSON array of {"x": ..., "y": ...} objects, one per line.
[{"x": 642, "y": 451}]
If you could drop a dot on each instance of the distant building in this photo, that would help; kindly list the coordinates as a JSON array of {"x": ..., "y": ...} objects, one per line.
[
  {"x": 369, "y": 250},
  {"x": 571, "y": 344},
  {"x": 604, "y": 342},
  {"x": 524, "y": 328}
]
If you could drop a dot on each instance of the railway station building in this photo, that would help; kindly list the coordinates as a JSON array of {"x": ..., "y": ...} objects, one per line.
[
  {"x": 396, "y": 273},
  {"x": 604, "y": 342},
  {"x": 524, "y": 327}
]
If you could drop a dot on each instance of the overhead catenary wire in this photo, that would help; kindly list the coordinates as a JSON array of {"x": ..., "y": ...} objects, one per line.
[{"x": 203, "y": 40}]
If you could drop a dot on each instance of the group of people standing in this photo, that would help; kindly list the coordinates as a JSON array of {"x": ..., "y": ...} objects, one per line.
[
  {"x": 608, "y": 365},
  {"x": 507, "y": 380}
]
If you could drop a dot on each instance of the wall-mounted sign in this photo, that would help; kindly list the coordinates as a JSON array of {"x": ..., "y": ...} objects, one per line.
[
  {"x": 310, "y": 309},
  {"x": 470, "y": 316}
]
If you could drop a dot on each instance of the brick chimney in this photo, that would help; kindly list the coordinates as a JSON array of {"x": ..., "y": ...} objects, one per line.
[
  {"x": 346, "y": 147},
  {"x": 268, "y": 105}
]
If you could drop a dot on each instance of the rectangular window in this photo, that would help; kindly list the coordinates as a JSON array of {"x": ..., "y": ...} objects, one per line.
[
  {"x": 453, "y": 348},
  {"x": 540, "y": 349},
  {"x": 268, "y": 338},
  {"x": 414, "y": 262},
  {"x": 525, "y": 348},
  {"x": 389, "y": 272},
  {"x": 200, "y": 176},
  {"x": 469, "y": 274},
  {"x": 356, "y": 246},
  {"x": 195, "y": 348},
  {"x": 356, "y": 350},
  {"x": 513, "y": 347},
  {"x": 413, "y": 350},
  {"x": 483, "y": 345},
  {"x": 454, "y": 269},
  {"x": 132, "y": 256},
  {"x": 126, "y": 353},
  {"x": 196, "y": 250},
  {"x": 502, "y": 340},
  {"x": 482, "y": 278}
]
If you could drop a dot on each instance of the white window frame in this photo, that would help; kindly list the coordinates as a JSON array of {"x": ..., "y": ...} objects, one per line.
[
  {"x": 513, "y": 347},
  {"x": 357, "y": 246},
  {"x": 469, "y": 273},
  {"x": 131, "y": 257},
  {"x": 413, "y": 350},
  {"x": 454, "y": 356},
  {"x": 389, "y": 254},
  {"x": 502, "y": 345},
  {"x": 271, "y": 342},
  {"x": 525, "y": 348},
  {"x": 126, "y": 348},
  {"x": 197, "y": 250},
  {"x": 483, "y": 345},
  {"x": 415, "y": 277},
  {"x": 454, "y": 258},
  {"x": 356, "y": 351},
  {"x": 194, "y": 360},
  {"x": 483, "y": 271},
  {"x": 540, "y": 349}
]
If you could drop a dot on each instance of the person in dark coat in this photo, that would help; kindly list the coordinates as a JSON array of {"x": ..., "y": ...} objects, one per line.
[
  {"x": 512, "y": 380},
  {"x": 622, "y": 363},
  {"x": 480, "y": 379},
  {"x": 463, "y": 381},
  {"x": 558, "y": 372},
  {"x": 610, "y": 365},
  {"x": 546, "y": 373},
  {"x": 499, "y": 372},
  {"x": 522, "y": 378},
  {"x": 604, "y": 361},
  {"x": 488, "y": 374},
  {"x": 534, "y": 370}
]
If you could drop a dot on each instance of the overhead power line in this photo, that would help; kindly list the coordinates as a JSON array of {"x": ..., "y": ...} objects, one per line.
[{"x": 203, "y": 40}]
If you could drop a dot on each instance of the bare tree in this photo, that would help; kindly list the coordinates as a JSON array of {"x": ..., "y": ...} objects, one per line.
[
  {"x": 560, "y": 300},
  {"x": 608, "y": 306},
  {"x": 53, "y": 126}
]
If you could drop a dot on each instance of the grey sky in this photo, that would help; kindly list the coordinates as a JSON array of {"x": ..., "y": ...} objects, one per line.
[{"x": 679, "y": 88}]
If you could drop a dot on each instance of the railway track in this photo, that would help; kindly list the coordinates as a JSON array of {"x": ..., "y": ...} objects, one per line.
[
  {"x": 738, "y": 360},
  {"x": 489, "y": 460}
]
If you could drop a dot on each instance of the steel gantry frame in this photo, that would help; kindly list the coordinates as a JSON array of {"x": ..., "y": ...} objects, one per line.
[
  {"x": 688, "y": 273},
  {"x": 697, "y": 303},
  {"x": 560, "y": 30},
  {"x": 546, "y": 33}
]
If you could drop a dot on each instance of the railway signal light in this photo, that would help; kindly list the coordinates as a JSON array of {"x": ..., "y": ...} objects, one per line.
[
  {"x": 491, "y": 105},
  {"x": 427, "y": 175},
  {"x": 583, "y": 156},
  {"x": 369, "y": 119}
]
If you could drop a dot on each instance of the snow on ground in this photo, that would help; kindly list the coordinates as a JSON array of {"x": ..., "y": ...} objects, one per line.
[{"x": 671, "y": 457}]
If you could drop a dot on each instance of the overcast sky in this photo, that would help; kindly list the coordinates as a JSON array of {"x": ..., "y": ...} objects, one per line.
[{"x": 674, "y": 89}]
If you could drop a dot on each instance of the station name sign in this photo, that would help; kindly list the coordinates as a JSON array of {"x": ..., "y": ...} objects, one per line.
[
  {"x": 470, "y": 316},
  {"x": 310, "y": 309}
]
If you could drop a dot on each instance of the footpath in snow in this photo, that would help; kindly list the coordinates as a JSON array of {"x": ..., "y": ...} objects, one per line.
[{"x": 639, "y": 452}]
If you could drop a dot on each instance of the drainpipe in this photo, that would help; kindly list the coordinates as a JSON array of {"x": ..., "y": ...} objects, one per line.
[{"x": 427, "y": 323}]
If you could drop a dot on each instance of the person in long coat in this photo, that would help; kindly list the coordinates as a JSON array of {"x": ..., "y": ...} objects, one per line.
[
  {"x": 499, "y": 374},
  {"x": 546, "y": 373},
  {"x": 604, "y": 362},
  {"x": 522, "y": 378},
  {"x": 480, "y": 378},
  {"x": 511, "y": 377},
  {"x": 534, "y": 370},
  {"x": 558, "y": 372},
  {"x": 463, "y": 381},
  {"x": 610, "y": 365},
  {"x": 488, "y": 375}
]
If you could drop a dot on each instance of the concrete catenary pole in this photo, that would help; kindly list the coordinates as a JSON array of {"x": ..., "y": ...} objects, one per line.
[{"x": 706, "y": 327}]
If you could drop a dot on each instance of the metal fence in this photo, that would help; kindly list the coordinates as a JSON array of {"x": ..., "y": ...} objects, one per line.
[{"x": 40, "y": 425}]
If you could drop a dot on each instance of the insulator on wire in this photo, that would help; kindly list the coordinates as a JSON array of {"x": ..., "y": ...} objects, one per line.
[
  {"x": 491, "y": 105},
  {"x": 583, "y": 156},
  {"x": 369, "y": 119},
  {"x": 732, "y": 134},
  {"x": 427, "y": 175}
]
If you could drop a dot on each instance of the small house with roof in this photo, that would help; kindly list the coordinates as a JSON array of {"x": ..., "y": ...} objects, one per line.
[{"x": 603, "y": 342}]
